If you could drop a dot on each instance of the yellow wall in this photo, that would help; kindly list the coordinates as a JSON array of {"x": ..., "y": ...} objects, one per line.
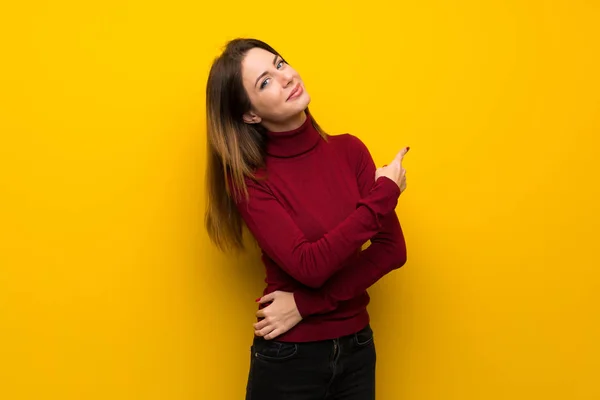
[{"x": 109, "y": 288}]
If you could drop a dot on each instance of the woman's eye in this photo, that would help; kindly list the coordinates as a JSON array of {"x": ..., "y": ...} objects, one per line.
[
  {"x": 280, "y": 64},
  {"x": 264, "y": 83}
]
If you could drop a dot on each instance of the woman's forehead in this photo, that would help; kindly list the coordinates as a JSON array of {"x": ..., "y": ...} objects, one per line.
[{"x": 257, "y": 60}]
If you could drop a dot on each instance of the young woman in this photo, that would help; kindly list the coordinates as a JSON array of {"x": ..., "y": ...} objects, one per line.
[{"x": 311, "y": 201}]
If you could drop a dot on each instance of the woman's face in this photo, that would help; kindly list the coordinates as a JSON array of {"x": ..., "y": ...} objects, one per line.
[{"x": 275, "y": 90}]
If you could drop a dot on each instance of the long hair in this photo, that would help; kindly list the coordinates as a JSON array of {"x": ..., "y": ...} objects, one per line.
[{"x": 235, "y": 149}]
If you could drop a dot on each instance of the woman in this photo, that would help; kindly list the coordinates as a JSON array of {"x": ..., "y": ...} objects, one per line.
[{"x": 311, "y": 201}]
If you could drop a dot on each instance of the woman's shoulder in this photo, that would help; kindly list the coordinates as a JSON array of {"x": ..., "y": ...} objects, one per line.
[
  {"x": 256, "y": 179},
  {"x": 348, "y": 143}
]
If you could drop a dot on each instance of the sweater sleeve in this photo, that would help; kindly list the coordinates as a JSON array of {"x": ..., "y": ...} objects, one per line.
[
  {"x": 386, "y": 253},
  {"x": 313, "y": 262}
]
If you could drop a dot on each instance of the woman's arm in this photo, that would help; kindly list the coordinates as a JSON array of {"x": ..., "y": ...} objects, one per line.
[
  {"x": 313, "y": 263},
  {"x": 386, "y": 252}
]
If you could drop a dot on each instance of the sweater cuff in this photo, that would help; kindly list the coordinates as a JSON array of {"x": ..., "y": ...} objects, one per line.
[
  {"x": 393, "y": 188},
  {"x": 383, "y": 197},
  {"x": 307, "y": 303}
]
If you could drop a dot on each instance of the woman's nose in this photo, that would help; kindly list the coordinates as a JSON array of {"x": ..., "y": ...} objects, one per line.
[{"x": 286, "y": 78}]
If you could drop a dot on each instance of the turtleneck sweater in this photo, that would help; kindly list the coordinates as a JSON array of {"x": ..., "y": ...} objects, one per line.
[{"x": 312, "y": 208}]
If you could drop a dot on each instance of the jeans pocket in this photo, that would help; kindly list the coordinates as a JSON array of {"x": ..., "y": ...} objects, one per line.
[
  {"x": 364, "y": 337},
  {"x": 271, "y": 350}
]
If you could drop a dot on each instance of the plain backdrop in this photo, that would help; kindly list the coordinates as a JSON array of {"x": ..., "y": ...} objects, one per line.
[{"x": 110, "y": 288}]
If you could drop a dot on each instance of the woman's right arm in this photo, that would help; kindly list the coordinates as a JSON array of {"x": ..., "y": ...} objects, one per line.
[
  {"x": 313, "y": 262},
  {"x": 386, "y": 253}
]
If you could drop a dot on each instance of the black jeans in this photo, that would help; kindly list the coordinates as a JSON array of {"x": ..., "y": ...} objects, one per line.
[{"x": 337, "y": 369}]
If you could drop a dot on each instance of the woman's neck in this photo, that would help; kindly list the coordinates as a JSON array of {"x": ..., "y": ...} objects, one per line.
[{"x": 292, "y": 123}]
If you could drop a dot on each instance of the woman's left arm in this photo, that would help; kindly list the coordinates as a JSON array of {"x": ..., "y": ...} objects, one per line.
[{"x": 386, "y": 253}]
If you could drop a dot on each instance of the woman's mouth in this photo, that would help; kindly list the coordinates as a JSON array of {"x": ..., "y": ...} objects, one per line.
[{"x": 297, "y": 91}]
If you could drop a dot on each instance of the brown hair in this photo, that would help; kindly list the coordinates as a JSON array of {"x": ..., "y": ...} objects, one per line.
[{"x": 235, "y": 149}]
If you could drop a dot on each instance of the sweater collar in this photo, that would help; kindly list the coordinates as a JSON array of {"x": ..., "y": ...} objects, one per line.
[{"x": 294, "y": 142}]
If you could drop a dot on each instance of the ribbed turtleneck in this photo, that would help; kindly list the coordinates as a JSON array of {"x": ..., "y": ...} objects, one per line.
[
  {"x": 294, "y": 142},
  {"x": 311, "y": 215}
]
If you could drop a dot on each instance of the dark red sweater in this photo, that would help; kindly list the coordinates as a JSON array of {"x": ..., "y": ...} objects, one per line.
[{"x": 318, "y": 204}]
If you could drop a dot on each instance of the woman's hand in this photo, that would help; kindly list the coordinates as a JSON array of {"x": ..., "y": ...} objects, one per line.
[
  {"x": 394, "y": 170},
  {"x": 278, "y": 317}
]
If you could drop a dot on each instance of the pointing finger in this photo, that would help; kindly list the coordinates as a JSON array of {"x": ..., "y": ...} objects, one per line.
[{"x": 401, "y": 154}]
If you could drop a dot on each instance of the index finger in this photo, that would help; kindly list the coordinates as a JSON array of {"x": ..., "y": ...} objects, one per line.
[{"x": 401, "y": 154}]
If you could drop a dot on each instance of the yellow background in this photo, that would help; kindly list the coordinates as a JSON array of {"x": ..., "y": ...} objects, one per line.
[{"x": 109, "y": 288}]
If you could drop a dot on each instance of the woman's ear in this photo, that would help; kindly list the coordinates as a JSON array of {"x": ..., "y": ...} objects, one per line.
[{"x": 251, "y": 118}]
